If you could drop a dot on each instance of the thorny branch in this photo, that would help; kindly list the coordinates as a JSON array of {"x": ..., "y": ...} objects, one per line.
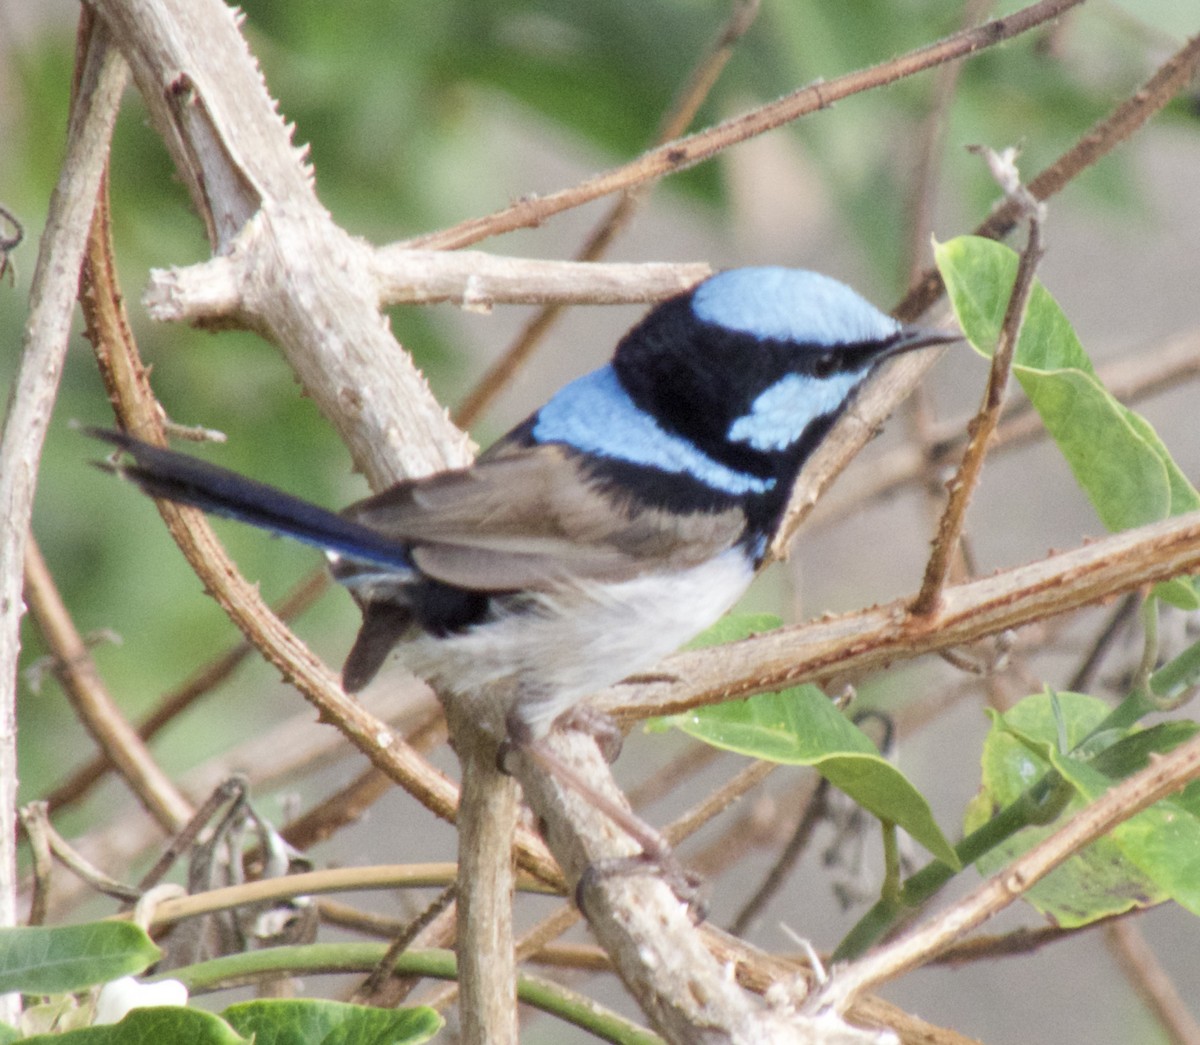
[
  {"x": 687, "y": 152},
  {"x": 983, "y": 426}
]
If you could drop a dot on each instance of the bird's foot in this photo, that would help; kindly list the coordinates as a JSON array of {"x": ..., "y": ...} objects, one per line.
[
  {"x": 602, "y": 728},
  {"x": 663, "y": 863}
]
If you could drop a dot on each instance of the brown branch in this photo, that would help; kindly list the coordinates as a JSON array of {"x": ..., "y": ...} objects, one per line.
[
  {"x": 1122, "y": 123},
  {"x": 35, "y": 819},
  {"x": 93, "y": 704},
  {"x": 486, "y": 827},
  {"x": 676, "y": 772},
  {"x": 383, "y": 988},
  {"x": 983, "y": 425},
  {"x": 221, "y": 291},
  {"x": 298, "y": 744},
  {"x": 696, "y": 148},
  {"x": 871, "y": 408},
  {"x": 348, "y": 804},
  {"x": 784, "y": 864},
  {"x": 174, "y": 703},
  {"x": 868, "y": 640},
  {"x": 309, "y": 883},
  {"x": 312, "y": 292},
  {"x": 691, "y": 820},
  {"x": 930, "y": 139},
  {"x": 1141, "y": 375},
  {"x": 196, "y": 109},
  {"x": 31, "y": 397}
]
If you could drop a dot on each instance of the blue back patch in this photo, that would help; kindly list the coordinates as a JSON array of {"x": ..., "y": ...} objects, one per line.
[
  {"x": 790, "y": 305},
  {"x": 595, "y": 415}
]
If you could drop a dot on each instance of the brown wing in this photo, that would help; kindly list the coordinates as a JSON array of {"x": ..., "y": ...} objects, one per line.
[{"x": 528, "y": 519}]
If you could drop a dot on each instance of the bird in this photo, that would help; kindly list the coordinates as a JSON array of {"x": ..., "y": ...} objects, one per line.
[{"x": 615, "y": 523}]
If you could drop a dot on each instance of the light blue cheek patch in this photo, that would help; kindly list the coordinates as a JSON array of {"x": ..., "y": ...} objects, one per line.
[
  {"x": 790, "y": 305},
  {"x": 594, "y": 414},
  {"x": 779, "y": 416}
]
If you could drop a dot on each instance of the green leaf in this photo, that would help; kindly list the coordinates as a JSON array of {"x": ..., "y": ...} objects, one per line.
[
  {"x": 800, "y": 726},
  {"x": 1114, "y": 453},
  {"x": 168, "y": 1023},
  {"x": 1162, "y": 842},
  {"x": 304, "y": 1022},
  {"x": 54, "y": 959},
  {"x": 1151, "y": 858}
]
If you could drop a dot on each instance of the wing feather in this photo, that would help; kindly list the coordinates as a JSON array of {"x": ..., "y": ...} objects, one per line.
[{"x": 530, "y": 519}]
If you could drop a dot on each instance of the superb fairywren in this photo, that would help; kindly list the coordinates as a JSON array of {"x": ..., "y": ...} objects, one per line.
[{"x": 614, "y": 524}]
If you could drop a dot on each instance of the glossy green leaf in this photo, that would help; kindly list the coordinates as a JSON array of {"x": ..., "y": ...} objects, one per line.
[
  {"x": 54, "y": 959},
  {"x": 1162, "y": 842},
  {"x": 1151, "y": 858},
  {"x": 155, "y": 1026},
  {"x": 279, "y": 1021},
  {"x": 800, "y": 726},
  {"x": 1117, "y": 458}
]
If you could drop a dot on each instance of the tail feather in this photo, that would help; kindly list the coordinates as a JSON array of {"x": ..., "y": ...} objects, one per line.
[{"x": 188, "y": 480}]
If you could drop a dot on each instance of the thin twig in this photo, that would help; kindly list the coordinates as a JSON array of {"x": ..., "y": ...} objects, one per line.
[
  {"x": 310, "y": 883},
  {"x": 1146, "y": 373},
  {"x": 440, "y": 931},
  {"x": 1023, "y": 941},
  {"x": 174, "y": 703},
  {"x": 920, "y": 207},
  {"x": 1101, "y": 138},
  {"x": 674, "y": 773},
  {"x": 34, "y": 818},
  {"x": 103, "y": 75},
  {"x": 687, "y": 152},
  {"x": 1081, "y": 681},
  {"x": 690, "y": 821},
  {"x": 962, "y": 486},
  {"x": 92, "y": 702},
  {"x": 356, "y": 919},
  {"x": 76, "y": 862},
  {"x": 1153, "y": 984},
  {"x": 930, "y": 137},
  {"x": 234, "y": 788},
  {"x": 9, "y": 243},
  {"x": 373, "y": 990},
  {"x": 348, "y": 804}
]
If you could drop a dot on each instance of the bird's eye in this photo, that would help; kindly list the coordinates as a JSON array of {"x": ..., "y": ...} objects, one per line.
[{"x": 824, "y": 365}]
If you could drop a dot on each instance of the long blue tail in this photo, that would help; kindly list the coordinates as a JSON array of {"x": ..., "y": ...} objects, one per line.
[{"x": 188, "y": 480}]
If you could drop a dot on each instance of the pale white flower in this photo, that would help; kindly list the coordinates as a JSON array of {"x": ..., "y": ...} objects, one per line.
[{"x": 117, "y": 997}]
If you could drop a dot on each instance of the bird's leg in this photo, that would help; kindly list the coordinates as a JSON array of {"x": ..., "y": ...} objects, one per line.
[{"x": 656, "y": 850}]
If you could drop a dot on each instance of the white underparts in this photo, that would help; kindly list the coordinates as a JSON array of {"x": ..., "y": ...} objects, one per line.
[{"x": 559, "y": 647}]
